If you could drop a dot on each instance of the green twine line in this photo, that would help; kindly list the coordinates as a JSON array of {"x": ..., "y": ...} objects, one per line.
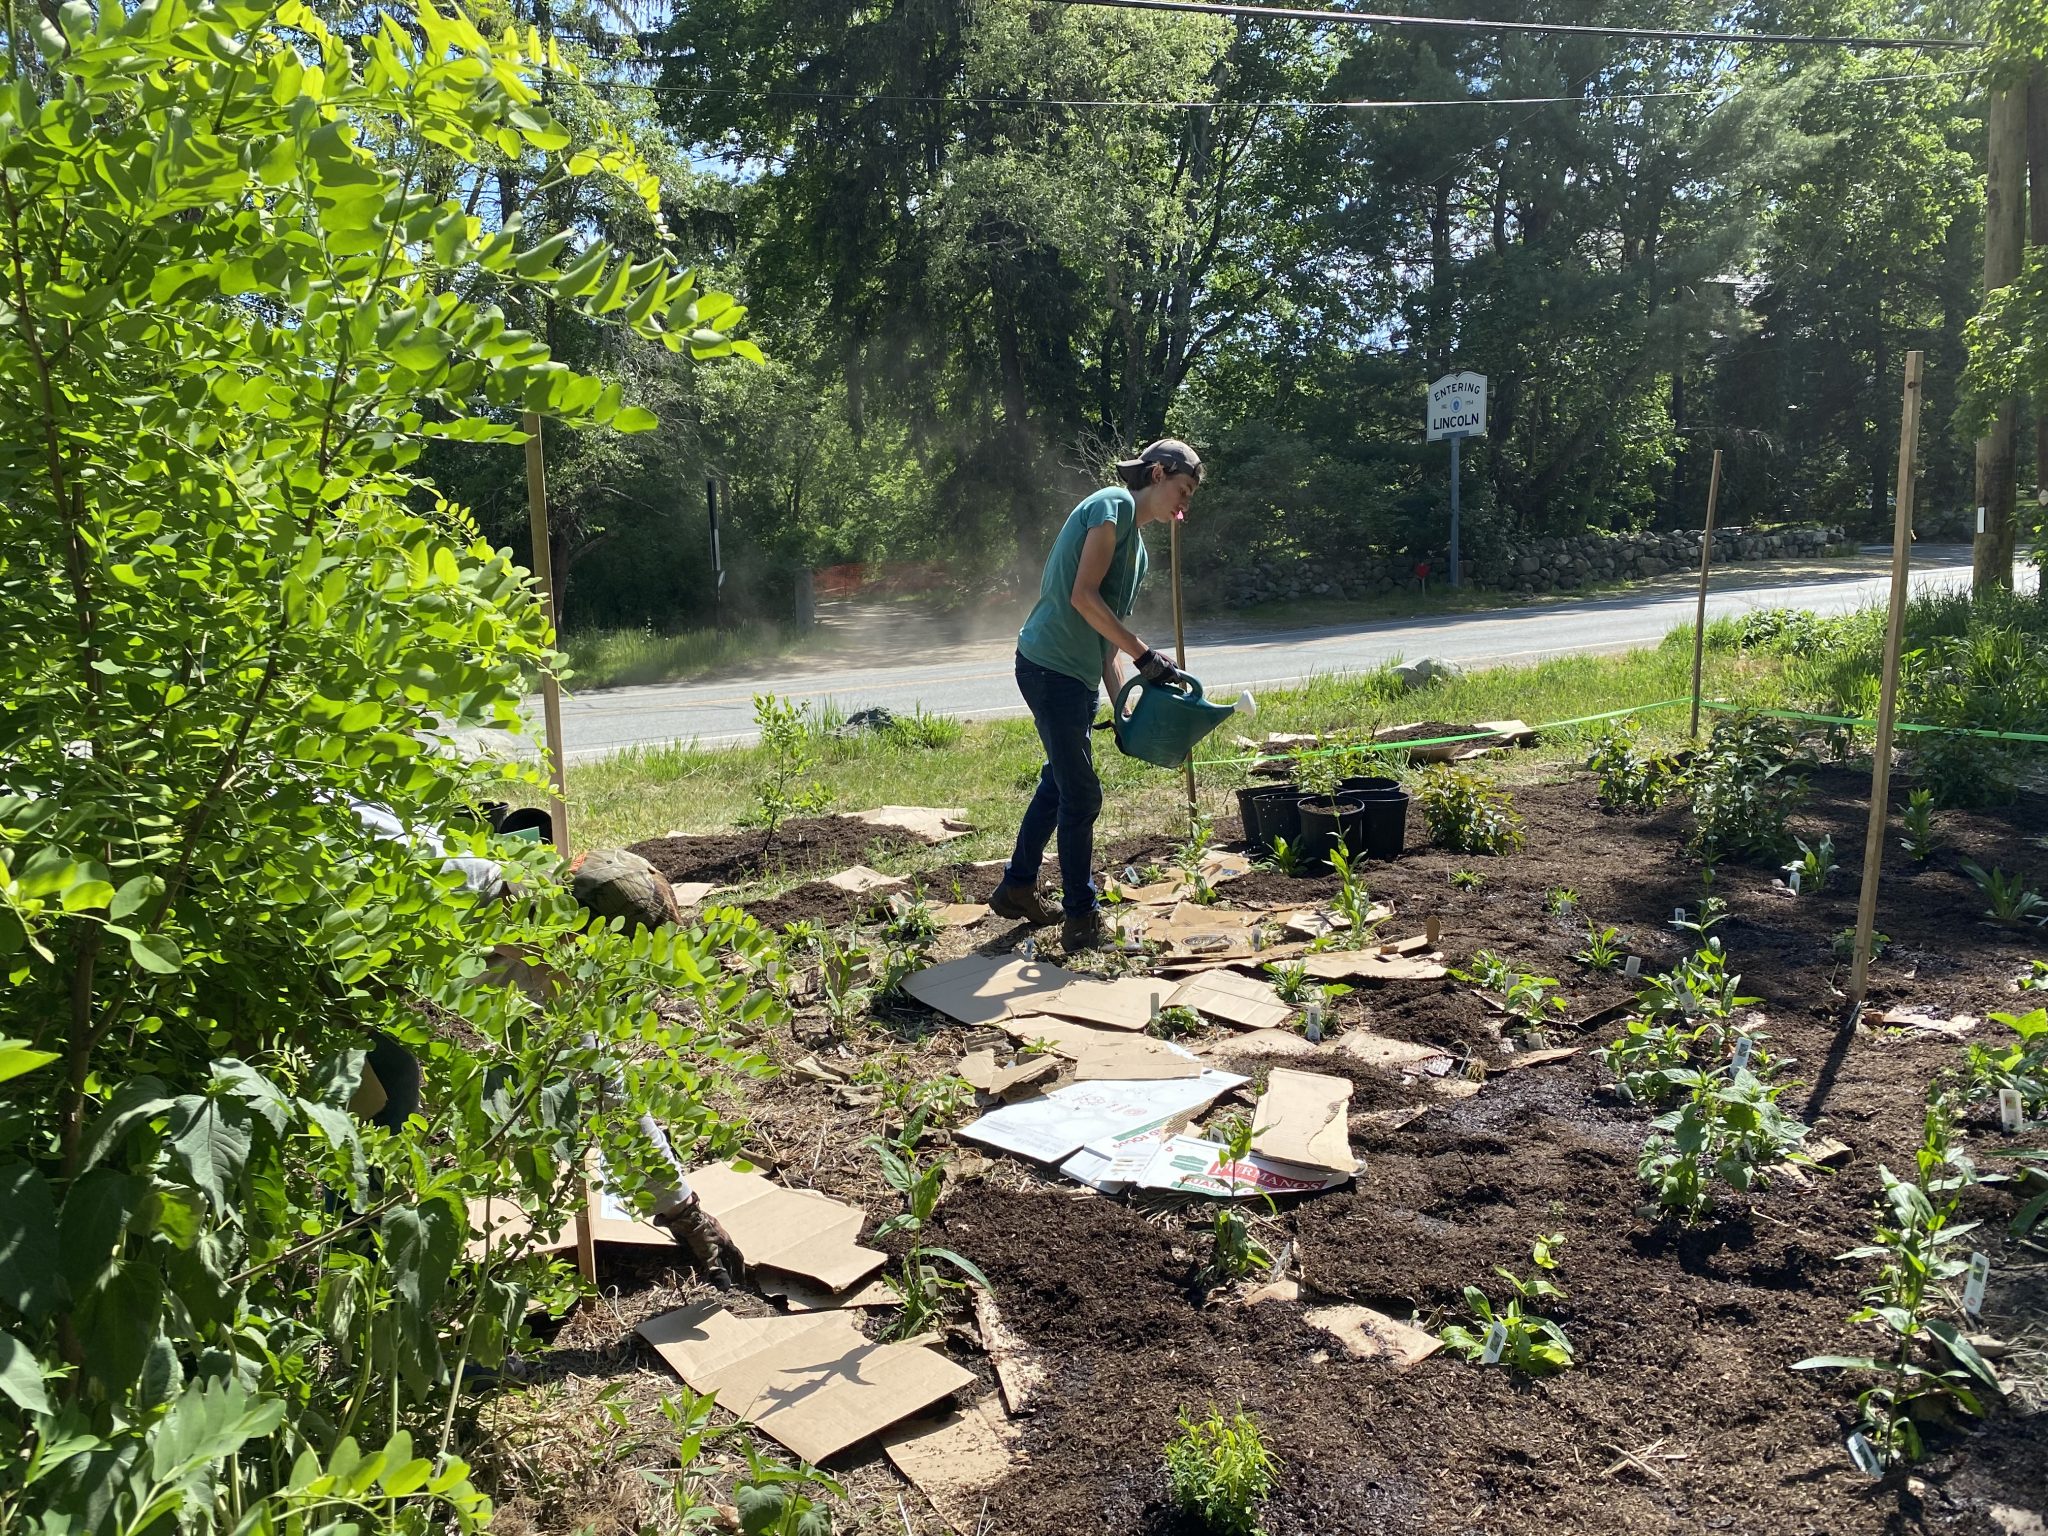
[{"x": 1721, "y": 706}]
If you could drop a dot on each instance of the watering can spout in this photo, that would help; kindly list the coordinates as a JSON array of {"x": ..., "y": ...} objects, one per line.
[{"x": 1166, "y": 726}]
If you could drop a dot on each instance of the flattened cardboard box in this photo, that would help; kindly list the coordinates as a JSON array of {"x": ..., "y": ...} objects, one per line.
[
  {"x": 800, "y": 1234},
  {"x": 980, "y": 989},
  {"x": 1301, "y": 1119},
  {"x": 934, "y": 824},
  {"x": 814, "y": 1382},
  {"x": 957, "y": 1458},
  {"x": 1234, "y": 998},
  {"x": 1125, "y": 1003}
]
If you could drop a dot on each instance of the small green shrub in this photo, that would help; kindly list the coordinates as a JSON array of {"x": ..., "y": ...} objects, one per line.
[
  {"x": 2009, "y": 898},
  {"x": 1465, "y": 814},
  {"x": 1745, "y": 783},
  {"x": 1729, "y": 1129},
  {"x": 1815, "y": 865},
  {"x": 1631, "y": 779},
  {"x": 787, "y": 737},
  {"x": 1218, "y": 1471},
  {"x": 924, "y": 1288},
  {"x": 2021, "y": 1064},
  {"x": 1921, "y": 840}
]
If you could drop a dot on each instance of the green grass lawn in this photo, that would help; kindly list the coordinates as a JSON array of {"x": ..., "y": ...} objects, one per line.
[
  {"x": 617, "y": 658},
  {"x": 649, "y": 791}
]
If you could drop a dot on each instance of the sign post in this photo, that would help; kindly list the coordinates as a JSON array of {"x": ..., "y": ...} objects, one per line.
[{"x": 1457, "y": 410}]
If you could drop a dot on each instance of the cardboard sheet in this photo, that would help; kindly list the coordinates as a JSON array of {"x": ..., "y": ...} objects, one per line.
[
  {"x": 1020, "y": 1374},
  {"x": 1369, "y": 1335},
  {"x": 1259, "y": 1042},
  {"x": 1923, "y": 1021},
  {"x": 1188, "y": 1165},
  {"x": 691, "y": 892},
  {"x": 1067, "y": 1037},
  {"x": 801, "y": 1234},
  {"x": 1395, "y": 1055},
  {"x": 981, "y": 989},
  {"x": 862, "y": 881},
  {"x": 814, "y": 1382},
  {"x": 498, "y": 1222},
  {"x": 1301, "y": 1119},
  {"x": 959, "y": 914},
  {"x": 979, "y": 1070},
  {"x": 1054, "y": 1127},
  {"x": 1135, "y": 1058},
  {"x": 935, "y": 824},
  {"x": 612, "y": 1220},
  {"x": 1125, "y": 1003},
  {"x": 1201, "y": 932},
  {"x": 955, "y": 1459},
  {"x": 799, "y": 1297},
  {"x": 1371, "y": 965},
  {"x": 1235, "y": 998}
]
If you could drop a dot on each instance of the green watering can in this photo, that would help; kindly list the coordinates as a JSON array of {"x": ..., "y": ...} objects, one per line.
[{"x": 1165, "y": 726}]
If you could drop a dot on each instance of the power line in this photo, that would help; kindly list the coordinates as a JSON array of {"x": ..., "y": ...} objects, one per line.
[
  {"x": 1020, "y": 103},
  {"x": 1478, "y": 24}
]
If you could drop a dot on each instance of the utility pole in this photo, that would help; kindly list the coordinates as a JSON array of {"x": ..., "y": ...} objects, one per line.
[
  {"x": 2005, "y": 199},
  {"x": 717, "y": 555},
  {"x": 2037, "y": 235}
]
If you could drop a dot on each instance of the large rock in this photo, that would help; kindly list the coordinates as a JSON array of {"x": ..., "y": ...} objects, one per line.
[
  {"x": 614, "y": 883},
  {"x": 1430, "y": 669}
]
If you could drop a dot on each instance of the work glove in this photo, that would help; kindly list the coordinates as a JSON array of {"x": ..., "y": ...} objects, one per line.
[{"x": 1158, "y": 672}]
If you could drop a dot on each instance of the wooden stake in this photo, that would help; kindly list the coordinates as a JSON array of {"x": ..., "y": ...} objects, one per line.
[
  {"x": 544, "y": 578},
  {"x": 1699, "y": 623},
  {"x": 1888, "y": 690},
  {"x": 1180, "y": 654}
]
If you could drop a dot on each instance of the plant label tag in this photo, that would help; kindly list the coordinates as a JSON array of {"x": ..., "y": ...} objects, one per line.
[
  {"x": 1792, "y": 879},
  {"x": 1312, "y": 1023},
  {"x": 1130, "y": 874},
  {"x": 1973, "y": 1284},
  {"x": 1864, "y": 1454},
  {"x": 1740, "y": 1063},
  {"x": 1028, "y": 949},
  {"x": 1634, "y": 968},
  {"x": 2011, "y": 1112},
  {"x": 1496, "y": 1341},
  {"x": 1155, "y": 1008},
  {"x": 1677, "y": 916}
]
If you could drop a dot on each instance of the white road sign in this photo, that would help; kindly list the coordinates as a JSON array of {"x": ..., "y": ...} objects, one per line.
[{"x": 1457, "y": 406}]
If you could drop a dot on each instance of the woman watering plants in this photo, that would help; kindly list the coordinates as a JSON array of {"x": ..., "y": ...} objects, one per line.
[{"x": 1074, "y": 639}]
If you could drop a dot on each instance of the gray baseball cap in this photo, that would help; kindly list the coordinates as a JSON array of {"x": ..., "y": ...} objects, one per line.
[{"x": 1177, "y": 457}]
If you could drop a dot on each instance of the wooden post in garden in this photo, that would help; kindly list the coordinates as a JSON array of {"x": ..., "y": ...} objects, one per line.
[
  {"x": 544, "y": 578},
  {"x": 1888, "y": 689},
  {"x": 1180, "y": 654},
  {"x": 1699, "y": 623}
]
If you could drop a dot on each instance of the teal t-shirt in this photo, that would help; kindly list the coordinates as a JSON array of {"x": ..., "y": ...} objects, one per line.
[{"x": 1055, "y": 635}]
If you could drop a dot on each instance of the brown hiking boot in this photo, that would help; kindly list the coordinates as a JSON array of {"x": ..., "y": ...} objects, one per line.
[
  {"x": 699, "y": 1232},
  {"x": 1020, "y": 903},
  {"x": 1086, "y": 931}
]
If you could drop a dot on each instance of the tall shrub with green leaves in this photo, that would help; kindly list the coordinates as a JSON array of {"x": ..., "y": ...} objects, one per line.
[{"x": 240, "y": 288}]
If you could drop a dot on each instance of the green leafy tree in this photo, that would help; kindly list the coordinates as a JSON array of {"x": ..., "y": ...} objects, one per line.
[{"x": 241, "y": 294}]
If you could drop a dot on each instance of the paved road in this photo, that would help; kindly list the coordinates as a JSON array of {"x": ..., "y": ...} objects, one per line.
[{"x": 974, "y": 682}]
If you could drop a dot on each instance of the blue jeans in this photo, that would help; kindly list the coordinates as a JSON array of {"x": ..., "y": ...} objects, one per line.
[{"x": 1069, "y": 796}]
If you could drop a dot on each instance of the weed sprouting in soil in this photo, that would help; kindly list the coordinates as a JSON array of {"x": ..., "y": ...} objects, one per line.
[
  {"x": 772, "y": 1498},
  {"x": 1921, "y": 840},
  {"x": 1466, "y": 879},
  {"x": 1928, "y": 1368},
  {"x": 910, "y": 1103},
  {"x": 2008, "y": 898},
  {"x": 1843, "y": 945},
  {"x": 1514, "y": 1334},
  {"x": 924, "y": 732},
  {"x": 1465, "y": 814},
  {"x": 921, "y": 1285},
  {"x": 1219, "y": 1471}
]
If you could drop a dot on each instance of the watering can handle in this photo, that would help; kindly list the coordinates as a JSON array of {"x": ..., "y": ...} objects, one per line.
[{"x": 1116, "y": 709}]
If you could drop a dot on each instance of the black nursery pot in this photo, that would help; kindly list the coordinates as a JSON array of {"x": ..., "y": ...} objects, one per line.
[
  {"x": 1269, "y": 812},
  {"x": 1324, "y": 822},
  {"x": 1368, "y": 787},
  {"x": 1383, "y": 825}
]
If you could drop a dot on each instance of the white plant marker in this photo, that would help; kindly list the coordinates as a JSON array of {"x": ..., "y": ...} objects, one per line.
[
  {"x": 1633, "y": 968},
  {"x": 1740, "y": 1063},
  {"x": 1312, "y": 1023},
  {"x": 1130, "y": 874},
  {"x": 1677, "y": 916},
  {"x": 2011, "y": 1111},
  {"x": 1792, "y": 879},
  {"x": 1496, "y": 1341},
  {"x": 1028, "y": 949},
  {"x": 1973, "y": 1285},
  {"x": 1864, "y": 1454},
  {"x": 1155, "y": 1008}
]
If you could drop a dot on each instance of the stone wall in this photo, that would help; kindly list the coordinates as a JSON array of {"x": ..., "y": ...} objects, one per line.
[{"x": 1535, "y": 565}]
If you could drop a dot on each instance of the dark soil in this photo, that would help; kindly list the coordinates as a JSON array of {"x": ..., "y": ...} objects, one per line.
[
  {"x": 806, "y": 843},
  {"x": 1426, "y": 730},
  {"x": 1684, "y": 1338}
]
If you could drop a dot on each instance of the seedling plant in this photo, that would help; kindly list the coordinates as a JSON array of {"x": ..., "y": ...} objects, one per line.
[
  {"x": 1218, "y": 1471},
  {"x": 1466, "y": 880},
  {"x": 1527, "y": 999},
  {"x": 922, "y": 1285},
  {"x": 1296, "y": 988},
  {"x": 2036, "y": 979},
  {"x": 1843, "y": 945},
  {"x": 1815, "y": 866},
  {"x": 1927, "y": 1367},
  {"x": 1560, "y": 901},
  {"x": 1288, "y": 858},
  {"x": 1234, "y": 1252},
  {"x": 1465, "y": 814},
  {"x": 1630, "y": 778},
  {"x": 2021, "y": 1065},
  {"x": 1353, "y": 902},
  {"x": 1921, "y": 840},
  {"x": 1729, "y": 1129},
  {"x": 786, "y": 732},
  {"x": 1174, "y": 1021},
  {"x": 912, "y": 1102},
  {"x": 1526, "y": 1341},
  {"x": 2009, "y": 899},
  {"x": 1603, "y": 951},
  {"x": 772, "y": 1498}
]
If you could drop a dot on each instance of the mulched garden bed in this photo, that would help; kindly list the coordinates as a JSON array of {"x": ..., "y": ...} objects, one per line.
[
  {"x": 805, "y": 843},
  {"x": 1685, "y": 1338}
]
